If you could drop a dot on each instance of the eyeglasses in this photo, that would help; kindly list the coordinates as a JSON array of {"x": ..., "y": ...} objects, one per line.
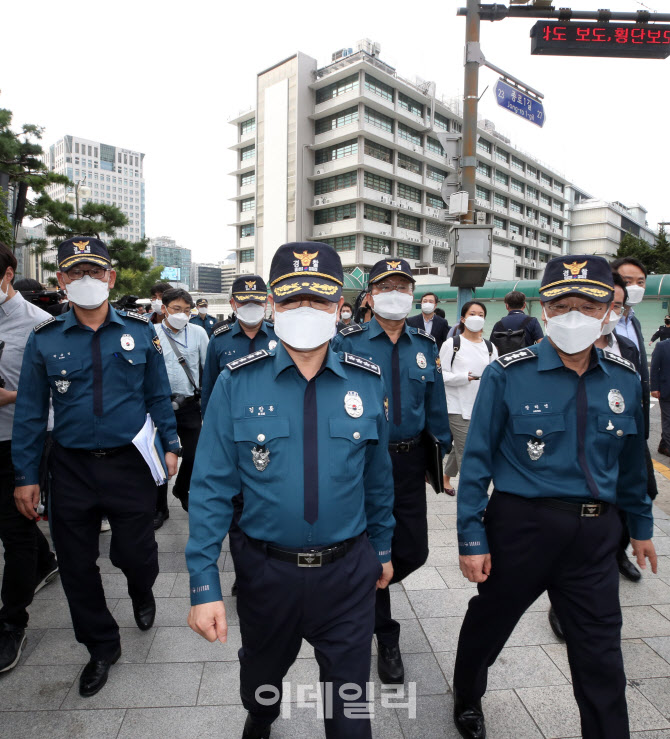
[
  {"x": 97, "y": 273},
  {"x": 316, "y": 303},
  {"x": 588, "y": 309},
  {"x": 387, "y": 287},
  {"x": 174, "y": 309}
]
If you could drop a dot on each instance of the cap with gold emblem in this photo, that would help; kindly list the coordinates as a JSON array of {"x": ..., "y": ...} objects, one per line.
[
  {"x": 249, "y": 289},
  {"x": 82, "y": 249},
  {"x": 201, "y": 303},
  {"x": 309, "y": 268},
  {"x": 387, "y": 267},
  {"x": 583, "y": 274}
]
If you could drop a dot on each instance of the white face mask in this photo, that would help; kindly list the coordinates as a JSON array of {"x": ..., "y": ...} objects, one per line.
[
  {"x": 4, "y": 294},
  {"x": 573, "y": 332},
  {"x": 427, "y": 307},
  {"x": 346, "y": 315},
  {"x": 251, "y": 314},
  {"x": 202, "y": 311},
  {"x": 305, "y": 328},
  {"x": 156, "y": 305},
  {"x": 635, "y": 294},
  {"x": 88, "y": 293},
  {"x": 474, "y": 323},
  {"x": 177, "y": 320},
  {"x": 393, "y": 306},
  {"x": 609, "y": 327}
]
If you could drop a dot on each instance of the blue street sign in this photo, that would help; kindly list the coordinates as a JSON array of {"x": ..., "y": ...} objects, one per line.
[{"x": 517, "y": 102}]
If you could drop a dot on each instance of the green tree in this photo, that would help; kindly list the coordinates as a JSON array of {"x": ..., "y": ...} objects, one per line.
[
  {"x": 60, "y": 221},
  {"x": 6, "y": 231},
  {"x": 135, "y": 273},
  {"x": 631, "y": 246},
  {"x": 662, "y": 252}
]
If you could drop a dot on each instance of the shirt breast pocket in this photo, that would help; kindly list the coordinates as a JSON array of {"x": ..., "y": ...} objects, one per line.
[
  {"x": 63, "y": 374},
  {"x": 348, "y": 441},
  {"x": 418, "y": 381},
  {"x": 613, "y": 430},
  {"x": 131, "y": 365},
  {"x": 537, "y": 440},
  {"x": 263, "y": 454}
]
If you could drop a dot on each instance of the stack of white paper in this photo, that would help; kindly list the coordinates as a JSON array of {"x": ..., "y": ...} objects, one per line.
[{"x": 150, "y": 447}]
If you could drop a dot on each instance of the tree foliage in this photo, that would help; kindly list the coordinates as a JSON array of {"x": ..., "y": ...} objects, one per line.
[
  {"x": 656, "y": 257},
  {"x": 135, "y": 273},
  {"x": 60, "y": 221}
]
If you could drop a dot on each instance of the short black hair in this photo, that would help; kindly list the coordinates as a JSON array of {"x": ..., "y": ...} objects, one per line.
[
  {"x": 26, "y": 284},
  {"x": 439, "y": 312},
  {"x": 175, "y": 293},
  {"x": 619, "y": 282},
  {"x": 515, "y": 299},
  {"x": 347, "y": 305},
  {"x": 7, "y": 259},
  {"x": 628, "y": 260},
  {"x": 160, "y": 287},
  {"x": 425, "y": 295},
  {"x": 466, "y": 307}
]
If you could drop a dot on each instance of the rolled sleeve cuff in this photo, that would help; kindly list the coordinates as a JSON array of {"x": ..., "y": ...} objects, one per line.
[
  {"x": 640, "y": 527},
  {"x": 205, "y": 588},
  {"x": 383, "y": 550},
  {"x": 473, "y": 543}
]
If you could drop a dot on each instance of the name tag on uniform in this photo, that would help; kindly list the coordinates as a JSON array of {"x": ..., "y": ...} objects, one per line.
[
  {"x": 256, "y": 411},
  {"x": 531, "y": 409}
]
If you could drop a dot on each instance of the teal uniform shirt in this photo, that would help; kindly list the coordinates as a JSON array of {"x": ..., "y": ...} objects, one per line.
[
  {"x": 253, "y": 442},
  {"x": 539, "y": 430},
  {"x": 229, "y": 342},
  {"x": 417, "y": 401},
  {"x": 207, "y": 322},
  {"x": 102, "y": 384}
]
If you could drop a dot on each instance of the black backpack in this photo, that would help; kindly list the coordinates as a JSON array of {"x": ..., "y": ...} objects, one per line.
[
  {"x": 506, "y": 340},
  {"x": 457, "y": 346}
]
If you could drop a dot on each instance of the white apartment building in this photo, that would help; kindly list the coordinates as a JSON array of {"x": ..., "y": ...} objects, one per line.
[{"x": 349, "y": 154}]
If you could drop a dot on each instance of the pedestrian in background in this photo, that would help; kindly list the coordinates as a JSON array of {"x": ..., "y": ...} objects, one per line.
[
  {"x": 663, "y": 332},
  {"x": 516, "y": 330},
  {"x": 203, "y": 319},
  {"x": 429, "y": 320},
  {"x": 660, "y": 389}
]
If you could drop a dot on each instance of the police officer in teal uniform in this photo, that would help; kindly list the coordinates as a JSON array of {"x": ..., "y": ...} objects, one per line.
[
  {"x": 302, "y": 431},
  {"x": 104, "y": 372},
  {"x": 249, "y": 333},
  {"x": 411, "y": 369},
  {"x": 559, "y": 429},
  {"x": 203, "y": 319}
]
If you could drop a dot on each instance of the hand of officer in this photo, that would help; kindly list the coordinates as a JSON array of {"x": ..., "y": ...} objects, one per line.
[
  {"x": 385, "y": 577},
  {"x": 644, "y": 550},
  {"x": 656, "y": 394},
  {"x": 172, "y": 462},
  {"x": 27, "y": 497},
  {"x": 476, "y": 567},
  {"x": 7, "y": 397},
  {"x": 209, "y": 620}
]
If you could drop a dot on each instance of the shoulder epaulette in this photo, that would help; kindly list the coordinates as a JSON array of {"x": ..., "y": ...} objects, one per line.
[
  {"x": 612, "y": 357},
  {"x": 361, "y": 362},
  {"x": 221, "y": 329},
  {"x": 425, "y": 334},
  {"x": 513, "y": 357},
  {"x": 352, "y": 328},
  {"x": 138, "y": 316},
  {"x": 248, "y": 359},
  {"x": 49, "y": 320}
]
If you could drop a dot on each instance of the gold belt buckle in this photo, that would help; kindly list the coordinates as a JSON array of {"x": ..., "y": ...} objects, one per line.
[
  {"x": 310, "y": 559},
  {"x": 590, "y": 510}
]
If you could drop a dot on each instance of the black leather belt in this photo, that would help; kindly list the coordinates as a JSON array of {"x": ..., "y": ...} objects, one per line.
[
  {"x": 312, "y": 557},
  {"x": 587, "y": 509},
  {"x": 110, "y": 452},
  {"x": 399, "y": 447}
]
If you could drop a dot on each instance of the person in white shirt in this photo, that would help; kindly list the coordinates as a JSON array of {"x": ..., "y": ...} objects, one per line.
[
  {"x": 179, "y": 337},
  {"x": 464, "y": 358}
]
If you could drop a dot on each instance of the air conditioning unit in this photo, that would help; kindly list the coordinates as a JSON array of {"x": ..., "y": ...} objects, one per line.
[
  {"x": 318, "y": 201},
  {"x": 319, "y": 171},
  {"x": 384, "y": 199},
  {"x": 480, "y": 217},
  {"x": 395, "y": 203},
  {"x": 327, "y": 200},
  {"x": 409, "y": 207}
]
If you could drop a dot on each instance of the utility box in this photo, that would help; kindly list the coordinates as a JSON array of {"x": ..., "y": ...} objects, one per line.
[
  {"x": 470, "y": 254},
  {"x": 458, "y": 203}
]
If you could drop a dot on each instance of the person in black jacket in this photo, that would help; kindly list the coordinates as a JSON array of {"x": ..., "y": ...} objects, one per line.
[
  {"x": 515, "y": 320},
  {"x": 429, "y": 321},
  {"x": 659, "y": 379},
  {"x": 663, "y": 332}
]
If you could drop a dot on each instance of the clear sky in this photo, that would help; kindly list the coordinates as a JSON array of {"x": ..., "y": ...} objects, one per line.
[{"x": 165, "y": 77}]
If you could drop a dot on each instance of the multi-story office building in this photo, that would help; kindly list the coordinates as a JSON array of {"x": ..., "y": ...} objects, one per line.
[
  {"x": 114, "y": 175},
  {"x": 350, "y": 154},
  {"x": 175, "y": 259},
  {"x": 206, "y": 278}
]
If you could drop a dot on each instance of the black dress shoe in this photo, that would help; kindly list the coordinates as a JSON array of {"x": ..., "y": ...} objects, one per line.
[
  {"x": 160, "y": 517},
  {"x": 556, "y": 624},
  {"x": 183, "y": 499},
  {"x": 389, "y": 665},
  {"x": 233, "y": 589},
  {"x": 662, "y": 449},
  {"x": 627, "y": 568},
  {"x": 469, "y": 718},
  {"x": 144, "y": 610},
  {"x": 94, "y": 676},
  {"x": 254, "y": 729}
]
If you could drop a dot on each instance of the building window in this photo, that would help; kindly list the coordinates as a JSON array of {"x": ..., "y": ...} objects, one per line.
[
  {"x": 249, "y": 152},
  {"x": 483, "y": 169},
  {"x": 405, "y": 162},
  {"x": 338, "y": 151},
  {"x": 378, "y": 88},
  {"x": 247, "y": 255},
  {"x": 531, "y": 213},
  {"x": 555, "y": 241},
  {"x": 434, "y": 146},
  {"x": 441, "y": 122},
  {"x": 409, "y": 222},
  {"x": 502, "y": 178},
  {"x": 409, "y": 251},
  {"x": 514, "y": 228},
  {"x": 515, "y": 207},
  {"x": 337, "y": 88},
  {"x": 433, "y": 173},
  {"x": 516, "y": 185},
  {"x": 544, "y": 221},
  {"x": 434, "y": 202},
  {"x": 532, "y": 192},
  {"x": 338, "y": 182},
  {"x": 484, "y": 145},
  {"x": 499, "y": 223},
  {"x": 343, "y": 118},
  {"x": 246, "y": 127},
  {"x": 544, "y": 238},
  {"x": 247, "y": 179},
  {"x": 341, "y": 243},
  {"x": 248, "y": 230},
  {"x": 409, "y": 193},
  {"x": 545, "y": 200},
  {"x": 378, "y": 119},
  {"x": 482, "y": 193},
  {"x": 332, "y": 215},
  {"x": 545, "y": 179},
  {"x": 378, "y": 246},
  {"x": 375, "y": 182},
  {"x": 499, "y": 200},
  {"x": 380, "y": 215},
  {"x": 559, "y": 188},
  {"x": 409, "y": 134},
  {"x": 517, "y": 163},
  {"x": 247, "y": 204},
  {"x": 383, "y": 153},
  {"x": 406, "y": 102},
  {"x": 502, "y": 156}
]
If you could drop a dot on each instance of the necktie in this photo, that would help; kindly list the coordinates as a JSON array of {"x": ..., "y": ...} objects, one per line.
[
  {"x": 310, "y": 453},
  {"x": 395, "y": 385}
]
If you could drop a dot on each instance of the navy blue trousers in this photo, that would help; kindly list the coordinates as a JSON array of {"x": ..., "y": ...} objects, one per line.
[
  {"x": 84, "y": 488},
  {"x": 331, "y": 607},
  {"x": 533, "y": 549}
]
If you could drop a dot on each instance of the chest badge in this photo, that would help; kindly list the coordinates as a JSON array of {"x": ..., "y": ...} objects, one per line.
[
  {"x": 615, "y": 401},
  {"x": 421, "y": 360},
  {"x": 261, "y": 457},
  {"x": 609, "y": 426},
  {"x": 127, "y": 342},
  {"x": 353, "y": 404},
  {"x": 535, "y": 449},
  {"x": 272, "y": 344},
  {"x": 62, "y": 386}
]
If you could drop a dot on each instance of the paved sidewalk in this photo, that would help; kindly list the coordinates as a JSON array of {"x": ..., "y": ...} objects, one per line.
[{"x": 171, "y": 683}]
